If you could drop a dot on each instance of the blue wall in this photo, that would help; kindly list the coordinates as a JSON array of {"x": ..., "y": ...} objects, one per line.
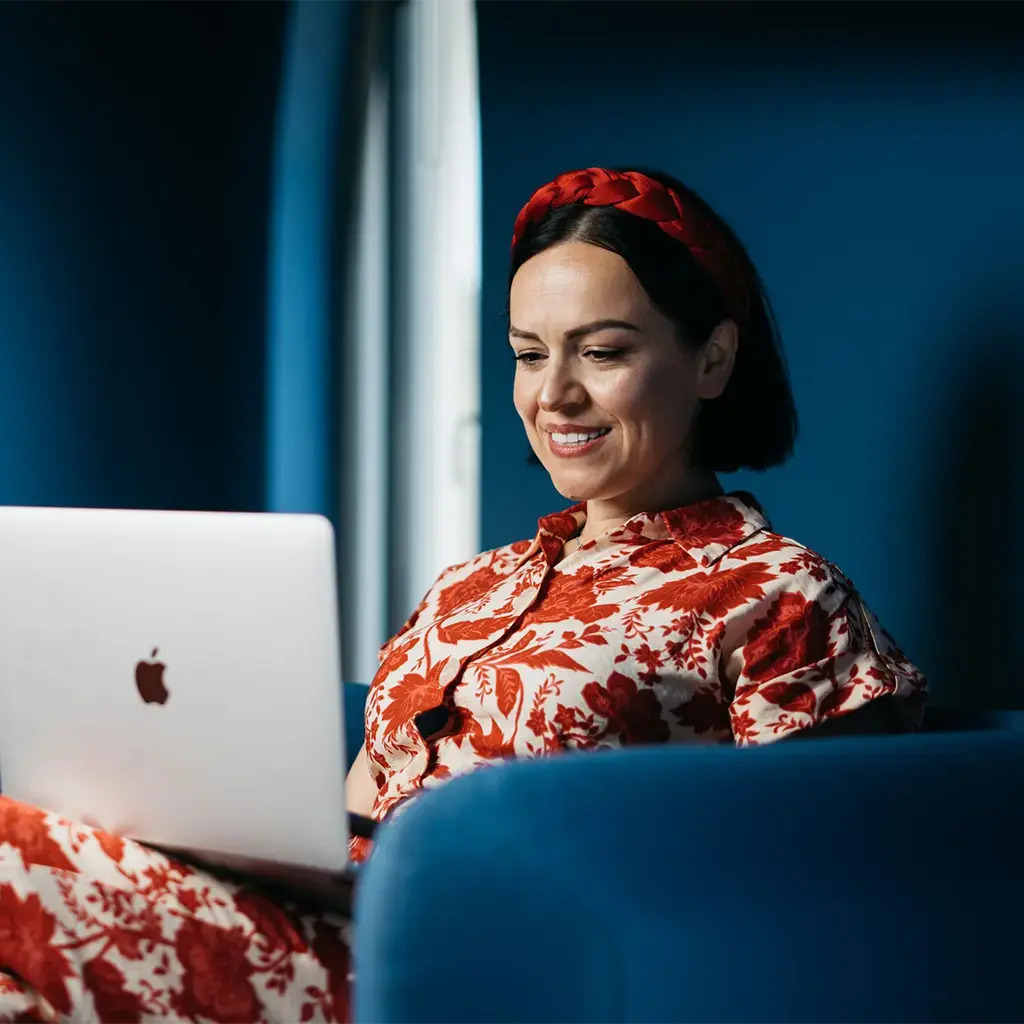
[
  {"x": 874, "y": 170},
  {"x": 135, "y": 155}
]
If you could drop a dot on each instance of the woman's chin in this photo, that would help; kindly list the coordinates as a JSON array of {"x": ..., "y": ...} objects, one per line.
[
  {"x": 571, "y": 491},
  {"x": 576, "y": 490}
]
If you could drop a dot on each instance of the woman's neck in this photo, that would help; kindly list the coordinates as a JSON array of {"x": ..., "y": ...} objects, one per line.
[{"x": 605, "y": 515}]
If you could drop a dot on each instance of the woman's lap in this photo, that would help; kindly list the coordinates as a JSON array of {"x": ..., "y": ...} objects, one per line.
[{"x": 93, "y": 927}]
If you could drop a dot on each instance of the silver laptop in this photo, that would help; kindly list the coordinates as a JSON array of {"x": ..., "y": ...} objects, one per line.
[{"x": 175, "y": 677}]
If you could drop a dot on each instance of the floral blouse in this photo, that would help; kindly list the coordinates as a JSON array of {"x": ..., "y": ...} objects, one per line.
[{"x": 695, "y": 625}]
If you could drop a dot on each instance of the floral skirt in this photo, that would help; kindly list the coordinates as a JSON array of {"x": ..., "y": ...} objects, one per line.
[{"x": 98, "y": 928}]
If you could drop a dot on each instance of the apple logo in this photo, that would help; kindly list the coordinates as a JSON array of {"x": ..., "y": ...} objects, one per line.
[{"x": 149, "y": 678}]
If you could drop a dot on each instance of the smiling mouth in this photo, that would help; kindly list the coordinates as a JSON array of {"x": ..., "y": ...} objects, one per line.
[
  {"x": 576, "y": 442},
  {"x": 576, "y": 437}
]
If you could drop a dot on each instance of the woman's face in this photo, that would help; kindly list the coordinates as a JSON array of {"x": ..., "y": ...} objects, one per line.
[{"x": 605, "y": 389}]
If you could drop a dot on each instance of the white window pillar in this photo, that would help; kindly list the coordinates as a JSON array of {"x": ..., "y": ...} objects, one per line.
[
  {"x": 437, "y": 252},
  {"x": 365, "y": 399},
  {"x": 410, "y": 473}
]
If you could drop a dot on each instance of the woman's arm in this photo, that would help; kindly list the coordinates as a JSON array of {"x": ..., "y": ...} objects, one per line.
[{"x": 360, "y": 789}]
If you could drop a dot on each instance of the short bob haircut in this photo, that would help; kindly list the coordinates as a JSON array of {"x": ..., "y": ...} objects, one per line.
[{"x": 753, "y": 423}]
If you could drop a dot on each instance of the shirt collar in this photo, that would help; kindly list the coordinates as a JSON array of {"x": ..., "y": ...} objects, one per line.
[{"x": 706, "y": 531}]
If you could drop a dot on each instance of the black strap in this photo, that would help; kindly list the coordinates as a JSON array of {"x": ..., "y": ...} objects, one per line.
[{"x": 360, "y": 825}]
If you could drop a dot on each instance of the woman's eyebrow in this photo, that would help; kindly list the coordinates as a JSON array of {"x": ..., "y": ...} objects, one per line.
[{"x": 579, "y": 332}]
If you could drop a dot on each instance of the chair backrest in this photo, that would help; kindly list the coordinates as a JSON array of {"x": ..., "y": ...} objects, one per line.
[
  {"x": 947, "y": 719},
  {"x": 355, "y": 708},
  {"x": 867, "y": 879}
]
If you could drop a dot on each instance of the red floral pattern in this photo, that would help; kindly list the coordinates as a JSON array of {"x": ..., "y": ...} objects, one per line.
[
  {"x": 215, "y": 974},
  {"x": 695, "y": 625},
  {"x": 25, "y": 829},
  {"x": 792, "y": 633},
  {"x": 632, "y": 714},
  {"x": 26, "y": 946},
  {"x": 96, "y": 927}
]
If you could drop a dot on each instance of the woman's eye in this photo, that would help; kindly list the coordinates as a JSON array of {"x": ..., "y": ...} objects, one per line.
[
  {"x": 528, "y": 357},
  {"x": 603, "y": 355}
]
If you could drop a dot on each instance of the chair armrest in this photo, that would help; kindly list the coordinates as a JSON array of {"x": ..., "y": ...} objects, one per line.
[{"x": 862, "y": 879}]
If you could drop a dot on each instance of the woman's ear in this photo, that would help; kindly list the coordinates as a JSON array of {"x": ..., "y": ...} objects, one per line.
[{"x": 716, "y": 360}]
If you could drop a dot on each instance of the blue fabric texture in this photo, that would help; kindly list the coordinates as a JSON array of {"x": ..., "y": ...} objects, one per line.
[
  {"x": 946, "y": 719},
  {"x": 867, "y": 879},
  {"x": 355, "y": 707}
]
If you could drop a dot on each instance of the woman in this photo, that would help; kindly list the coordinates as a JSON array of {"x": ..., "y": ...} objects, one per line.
[{"x": 655, "y": 609}]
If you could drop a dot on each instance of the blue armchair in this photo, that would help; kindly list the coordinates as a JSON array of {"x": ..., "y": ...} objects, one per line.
[
  {"x": 867, "y": 879},
  {"x": 355, "y": 708}
]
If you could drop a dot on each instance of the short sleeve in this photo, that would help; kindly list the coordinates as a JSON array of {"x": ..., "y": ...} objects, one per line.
[{"x": 814, "y": 652}]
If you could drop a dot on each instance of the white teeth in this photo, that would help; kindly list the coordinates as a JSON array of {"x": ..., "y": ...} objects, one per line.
[{"x": 578, "y": 438}]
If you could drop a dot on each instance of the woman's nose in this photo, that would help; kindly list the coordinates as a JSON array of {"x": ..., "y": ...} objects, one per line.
[{"x": 560, "y": 387}]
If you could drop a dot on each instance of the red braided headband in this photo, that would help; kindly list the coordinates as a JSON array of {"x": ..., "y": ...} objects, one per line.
[{"x": 642, "y": 196}]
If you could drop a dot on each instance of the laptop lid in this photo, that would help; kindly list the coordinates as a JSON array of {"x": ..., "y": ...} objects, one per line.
[{"x": 175, "y": 677}]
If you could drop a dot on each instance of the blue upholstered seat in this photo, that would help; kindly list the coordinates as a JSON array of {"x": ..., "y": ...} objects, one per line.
[{"x": 857, "y": 879}]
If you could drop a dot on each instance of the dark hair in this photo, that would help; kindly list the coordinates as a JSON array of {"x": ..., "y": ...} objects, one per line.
[{"x": 753, "y": 423}]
